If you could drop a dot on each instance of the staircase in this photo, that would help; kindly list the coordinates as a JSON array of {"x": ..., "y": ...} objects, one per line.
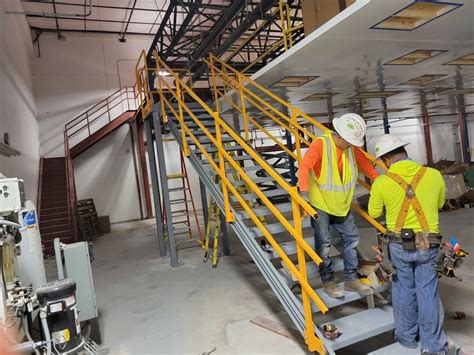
[
  {"x": 55, "y": 218},
  {"x": 58, "y": 191},
  {"x": 283, "y": 247}
]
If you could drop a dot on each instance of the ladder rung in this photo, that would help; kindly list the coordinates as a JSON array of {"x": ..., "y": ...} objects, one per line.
[
  {"x": 179, "y": 211},
  {"x": 181, "y": 200},
  {"x": 178, "y": 189},
  {"x": 175, "y": 176},
  {"x": 178, "y": 230}
]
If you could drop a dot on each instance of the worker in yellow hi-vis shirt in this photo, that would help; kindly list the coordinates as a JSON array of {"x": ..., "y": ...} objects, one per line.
[{"x": 412, "y": 195}]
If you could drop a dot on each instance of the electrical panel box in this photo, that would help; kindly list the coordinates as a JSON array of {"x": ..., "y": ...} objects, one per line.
[
  {"x": 12, "y": 195},
  {"x": 77, "y": 262}
]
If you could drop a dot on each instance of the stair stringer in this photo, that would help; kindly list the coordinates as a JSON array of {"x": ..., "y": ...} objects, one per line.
[{"x": 277, "y": 282}]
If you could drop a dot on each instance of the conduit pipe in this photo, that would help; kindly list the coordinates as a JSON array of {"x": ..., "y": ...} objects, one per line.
[{"x": 51, "y": 15}]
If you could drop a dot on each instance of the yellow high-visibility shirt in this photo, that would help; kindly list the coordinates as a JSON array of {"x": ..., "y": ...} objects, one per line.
[{"x": 387, "y": 193}]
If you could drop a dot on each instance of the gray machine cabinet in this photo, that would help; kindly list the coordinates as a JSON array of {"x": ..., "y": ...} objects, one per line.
[{"x": 78, "y": 267}]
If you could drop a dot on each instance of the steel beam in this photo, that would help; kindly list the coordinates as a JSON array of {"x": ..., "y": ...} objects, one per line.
[
  {"x": 164, "y": 183},
  {"x": 220, "y": 26},
  {"x": 248, "y": 21},
  {"x": 159, "y": 34},
  {"x": 182, "y": 29},
  {"x": 154, "y": 183}
]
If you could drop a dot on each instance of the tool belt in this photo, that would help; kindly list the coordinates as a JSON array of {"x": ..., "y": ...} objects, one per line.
[{"x": 412, "y": 241}]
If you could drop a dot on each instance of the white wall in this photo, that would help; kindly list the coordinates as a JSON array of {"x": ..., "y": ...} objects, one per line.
[
  {"x": 17, "y": 104},
  {"x": 105, "y": 172},
  {"x": 71, "y": 76}
]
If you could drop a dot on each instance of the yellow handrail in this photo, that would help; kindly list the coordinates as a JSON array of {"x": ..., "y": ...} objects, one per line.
[
  {"x": 242, "y": 86},
  {"x": 299, "y": 205}
]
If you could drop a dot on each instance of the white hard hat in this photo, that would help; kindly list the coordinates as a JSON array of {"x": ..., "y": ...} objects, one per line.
[
  {"x": 351, "y": 127},
  {"x": 387, "y": 143}
]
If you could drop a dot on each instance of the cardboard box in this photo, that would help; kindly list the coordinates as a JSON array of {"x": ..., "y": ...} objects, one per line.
[{"x": 318, "y": 12}]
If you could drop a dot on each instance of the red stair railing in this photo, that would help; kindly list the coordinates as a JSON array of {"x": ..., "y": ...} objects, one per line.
[{"x": 86, "y": 124}]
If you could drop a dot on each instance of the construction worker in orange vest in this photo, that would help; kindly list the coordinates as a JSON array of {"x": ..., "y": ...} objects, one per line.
[
  {"x": 328, "y": 172},
  {"x": 411, "y": 195}
]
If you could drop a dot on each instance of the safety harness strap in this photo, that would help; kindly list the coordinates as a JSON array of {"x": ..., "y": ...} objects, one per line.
[{"x": 410, "y": 199}]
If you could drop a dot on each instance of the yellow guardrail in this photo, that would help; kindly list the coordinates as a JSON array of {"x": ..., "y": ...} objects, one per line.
[
  {"x": 241, "y": 93},
  {"x": 171, "y": 96}
]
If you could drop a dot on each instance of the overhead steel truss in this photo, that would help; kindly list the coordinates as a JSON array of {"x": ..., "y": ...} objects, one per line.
[{"x": 242, "y": 32}]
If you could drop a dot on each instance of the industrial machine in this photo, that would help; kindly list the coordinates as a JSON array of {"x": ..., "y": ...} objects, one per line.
[{"x": 26, "y": 299}]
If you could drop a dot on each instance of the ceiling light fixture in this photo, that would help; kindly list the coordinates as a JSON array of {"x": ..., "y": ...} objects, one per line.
[
  {"x": 294, "y": 81},
  {"x": 415, "y": 15}
]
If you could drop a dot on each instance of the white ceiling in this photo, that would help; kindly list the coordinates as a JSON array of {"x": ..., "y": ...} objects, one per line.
[{"x": 348, "y": 57}]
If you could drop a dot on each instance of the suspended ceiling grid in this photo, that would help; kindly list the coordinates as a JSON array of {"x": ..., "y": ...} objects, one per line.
[{"x": 348, "y": 58}]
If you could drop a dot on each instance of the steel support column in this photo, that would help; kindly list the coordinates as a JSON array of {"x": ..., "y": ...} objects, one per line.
[
  {"x": 205, "y": 210},
  {"x": 164, "y": 183},
  {"x": 224, "y": 234},
  {"x": 426, "y": 128},
  {"x": 463, "y": 130},
  {"x": 291, "y": 161},
  {"x": 154, "y": 183},
  {"x": 386, "y": 124}
]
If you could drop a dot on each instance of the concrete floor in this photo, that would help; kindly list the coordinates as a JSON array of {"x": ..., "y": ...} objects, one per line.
[{"x": 147, "y": 307}]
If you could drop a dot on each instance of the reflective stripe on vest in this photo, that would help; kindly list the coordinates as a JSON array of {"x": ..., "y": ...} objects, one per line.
[{"x": 328, "y": 192}]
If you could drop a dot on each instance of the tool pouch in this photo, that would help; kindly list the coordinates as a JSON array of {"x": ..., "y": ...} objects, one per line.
[
  {"x": 422, "y": 241},
  {"x": 408, "y": 239}
]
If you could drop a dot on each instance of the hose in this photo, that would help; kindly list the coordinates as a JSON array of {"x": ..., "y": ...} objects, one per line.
[{"x": 46, "y": 333}]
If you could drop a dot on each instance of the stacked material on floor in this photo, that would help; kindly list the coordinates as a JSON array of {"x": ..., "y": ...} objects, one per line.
[{"x": 455, "y": 176}]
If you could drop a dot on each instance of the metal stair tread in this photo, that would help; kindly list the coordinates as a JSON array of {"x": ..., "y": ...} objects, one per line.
[
  {"x": 362, "y": 325},
  {"x": 256, "y": 180},
  {"x": 205, "y": 140},
  {"x": 349, "y": 296},
  {"x": 236, "y": 158},
  {"x": 396, "y": 349},
  {"x": 268, "y": 193},
  {"x": 228, "y": 149},
  {"x": 230, "y": 171},
  {"x": 264, "y": 211},
  {"x": 277, "y": 227}
]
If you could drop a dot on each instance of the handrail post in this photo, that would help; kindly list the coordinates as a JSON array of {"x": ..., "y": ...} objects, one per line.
[
  {"x": 181, "y": 118},
  {"x": 288, "y": 25},
  {"x": 160, "y": 88},
  {"x": 283, "y": 24},
  {"x": 243, "y": 108},
  {"x": 214, "y": 85},
  {"x": 313, "y": 342},
  {"x": 296, "y": 133},
  {"x": 228, "y": 213}
]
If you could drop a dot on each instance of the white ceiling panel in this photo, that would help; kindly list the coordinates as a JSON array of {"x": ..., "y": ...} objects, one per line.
[{"x": 348, "y": 57}]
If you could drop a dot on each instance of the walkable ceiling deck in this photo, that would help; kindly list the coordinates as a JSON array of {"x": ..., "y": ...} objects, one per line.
[{"x": 354, "y": 63}]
